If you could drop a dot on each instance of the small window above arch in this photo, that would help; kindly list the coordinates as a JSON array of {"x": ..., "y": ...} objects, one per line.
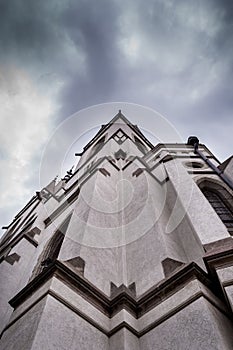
[{"x": 194, "y": 165}]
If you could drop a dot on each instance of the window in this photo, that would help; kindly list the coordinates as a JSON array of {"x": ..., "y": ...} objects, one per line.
[
  {"x": 120, "y": 137},
  {"x": 220, "y": 207},
  {"x": 194, "y": 165},
  {"x": 52, "y": 248}
]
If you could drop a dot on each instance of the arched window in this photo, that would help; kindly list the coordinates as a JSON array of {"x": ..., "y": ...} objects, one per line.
[
  {"x": 52, "y": 249},
  {"x": 221, "y": 207}
]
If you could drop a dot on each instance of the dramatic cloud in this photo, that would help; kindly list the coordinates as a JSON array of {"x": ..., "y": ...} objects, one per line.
[
  {"x": 24, "y": 126},
  {"x": 60, "y": 56}
]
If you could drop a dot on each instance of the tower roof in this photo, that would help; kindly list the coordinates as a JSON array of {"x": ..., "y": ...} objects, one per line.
[{"x": 115, "y": 119}]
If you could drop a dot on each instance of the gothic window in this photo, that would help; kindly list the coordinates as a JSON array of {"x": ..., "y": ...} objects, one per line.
[
  {"x": 52, "y": 248},
  {"x": 120, "y": 137},
  {"x": 220, "y": 207}
]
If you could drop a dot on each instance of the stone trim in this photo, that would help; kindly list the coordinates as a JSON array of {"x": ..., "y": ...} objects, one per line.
[
  {"x": 22, "y": 313},
  {"x": 16, "y": 240},
  {"x": 69, "y": 277},
  {"x": 6, "y": 240},
  {"x": 219, "y": 258},
  {"x": 227, "y": 283},
  {"x": 78, "y": 312},
  {"x": 109, "y": 332},
  {"x": 181, "y": 146},
  {"x": 122, "y": 322},
  {"x": 127, "y": 122},
  {"x": 222, "y": 245},
  {"x": 137, "y": 306},
  {"x": 170, "y": 265},
  {"x": 202, "y": 172},
  {"x": 78, "y": 182},
  {"x": 144, "y": 312},
  {"x": 61, "y": 208},
  {"x": 31, "y": 201},
  {"x": 12, "y": 258}
]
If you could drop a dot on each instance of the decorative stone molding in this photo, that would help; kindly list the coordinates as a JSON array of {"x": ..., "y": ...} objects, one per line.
[{"x": 12, "y": 258}]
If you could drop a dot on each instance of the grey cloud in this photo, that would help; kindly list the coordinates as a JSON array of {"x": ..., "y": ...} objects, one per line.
[
  {"x": 94, "y": 27},
  {"x": 27, "y": 30},
  {"x": 185, "y": 50},
  {"x": 36, "y": 33}
]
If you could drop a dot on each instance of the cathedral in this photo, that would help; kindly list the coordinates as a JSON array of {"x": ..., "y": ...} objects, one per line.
[{"x": 131, "y": 250}]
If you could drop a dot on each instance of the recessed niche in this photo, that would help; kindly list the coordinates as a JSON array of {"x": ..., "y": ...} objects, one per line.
[{"x": 194, "y": 165}]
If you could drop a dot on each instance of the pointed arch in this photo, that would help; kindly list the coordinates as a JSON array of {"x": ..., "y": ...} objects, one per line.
[
  {"x": 51, "y": 249},
  {"x": 220, "y": 200}
]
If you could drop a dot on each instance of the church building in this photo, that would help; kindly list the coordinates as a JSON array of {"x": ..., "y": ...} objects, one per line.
[{"x": 131, "y": 250}]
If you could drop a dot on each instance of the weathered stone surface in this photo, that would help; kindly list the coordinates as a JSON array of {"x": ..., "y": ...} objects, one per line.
[
  {"x": 144, "y": 260},
  {"x": 198, "y": 326}
]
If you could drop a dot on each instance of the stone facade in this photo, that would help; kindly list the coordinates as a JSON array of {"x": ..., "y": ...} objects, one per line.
[{"x": 131, "y": 250}]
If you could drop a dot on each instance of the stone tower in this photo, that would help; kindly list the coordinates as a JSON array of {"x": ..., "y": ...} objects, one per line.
[{"x": 130, "y": 250}]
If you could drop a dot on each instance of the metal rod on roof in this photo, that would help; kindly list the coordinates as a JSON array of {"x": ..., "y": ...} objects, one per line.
[{"x": 193, "y": 141}]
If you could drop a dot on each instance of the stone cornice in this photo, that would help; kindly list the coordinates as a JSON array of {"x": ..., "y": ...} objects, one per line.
[
  {"x": 123, "y": 309},
  {"x": 219, "y": 258},
  {"x": 137, "y": 306}
]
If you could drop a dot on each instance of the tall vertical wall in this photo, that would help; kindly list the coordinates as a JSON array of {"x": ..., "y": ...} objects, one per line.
[{"x": 137, "y": 266}]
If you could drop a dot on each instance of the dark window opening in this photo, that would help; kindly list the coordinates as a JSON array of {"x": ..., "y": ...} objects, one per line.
[
  {"x": 120, "y": 137},
  {"x": 220, "y": 208},
  {"x": 52, "y": 248}
]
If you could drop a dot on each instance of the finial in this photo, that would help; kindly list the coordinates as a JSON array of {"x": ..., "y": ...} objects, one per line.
[
  {"x": 38, "y": 194},
  {"x": 119, "y": 111}
]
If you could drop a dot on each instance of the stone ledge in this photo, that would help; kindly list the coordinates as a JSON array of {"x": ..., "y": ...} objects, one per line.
[
  {"x": 220, "y": 257},
  {"x": 124, "y": 299},
  {"x": 63, "y": 294},
  {"x": 122, "y": 309}
]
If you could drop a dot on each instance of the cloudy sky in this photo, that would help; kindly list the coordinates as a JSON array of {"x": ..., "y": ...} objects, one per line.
[{"x": 59, "y": 56}]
